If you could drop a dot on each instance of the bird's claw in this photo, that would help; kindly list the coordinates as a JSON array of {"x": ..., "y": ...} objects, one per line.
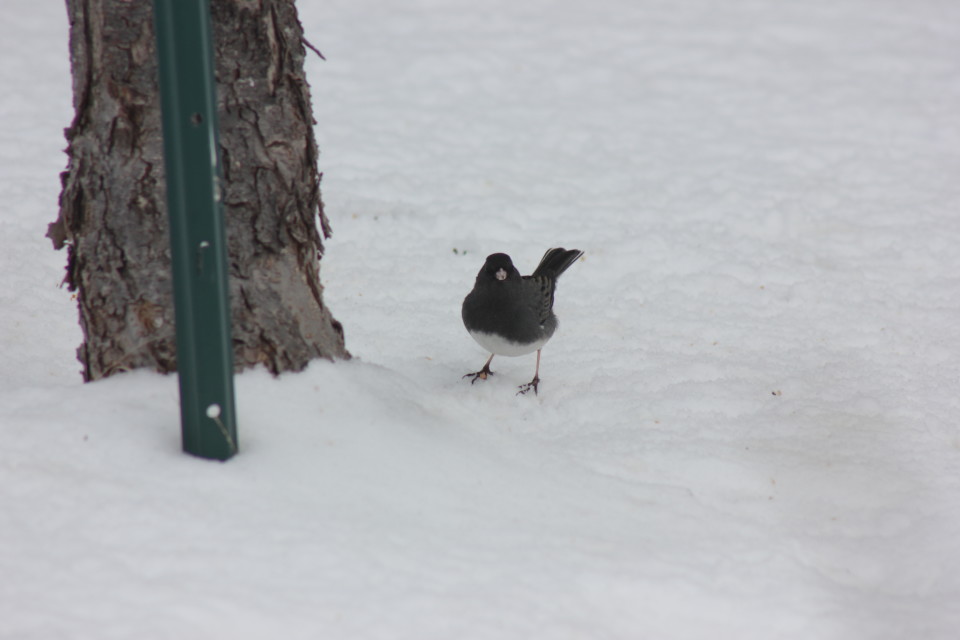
[
  {"x": 524, "y": 388},
  {"x": 478, "y": 375}
]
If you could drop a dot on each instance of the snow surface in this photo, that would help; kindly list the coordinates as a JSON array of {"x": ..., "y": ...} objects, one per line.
[{"x": 747, "y": 424}]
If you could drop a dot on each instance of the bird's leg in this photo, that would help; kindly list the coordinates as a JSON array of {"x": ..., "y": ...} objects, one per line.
[
  {"x": 533, "y": 383},
  {"x": 483, "y": 373}
]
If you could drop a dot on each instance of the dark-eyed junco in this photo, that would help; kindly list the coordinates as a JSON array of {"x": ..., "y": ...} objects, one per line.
[{"x": 512, "y": 315}]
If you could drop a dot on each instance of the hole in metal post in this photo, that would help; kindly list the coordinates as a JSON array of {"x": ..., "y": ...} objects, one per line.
[
  {"x": 213, "y": 412},
  {"x": 196, "y": 119},
  {"x": 201, "y": 248}
]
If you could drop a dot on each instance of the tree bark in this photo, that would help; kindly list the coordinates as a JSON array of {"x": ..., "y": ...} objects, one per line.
[{"x": 113, "y": 209}]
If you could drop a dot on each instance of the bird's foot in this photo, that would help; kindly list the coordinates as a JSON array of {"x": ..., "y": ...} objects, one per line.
[
  {"x": 524, "y": 388},
  {"x": 479, "y": 375}
]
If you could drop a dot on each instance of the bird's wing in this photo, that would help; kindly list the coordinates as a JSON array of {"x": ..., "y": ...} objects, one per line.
[{"x": 542, "y": 290}]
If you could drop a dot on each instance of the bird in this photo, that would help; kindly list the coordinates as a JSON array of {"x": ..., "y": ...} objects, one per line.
[{"x": 512, "y": 315}]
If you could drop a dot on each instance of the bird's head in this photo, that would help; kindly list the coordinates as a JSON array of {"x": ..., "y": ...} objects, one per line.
[{"x": 499, "y": 267}]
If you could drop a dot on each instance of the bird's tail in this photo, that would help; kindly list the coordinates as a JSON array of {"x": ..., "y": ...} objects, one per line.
[{"x": 556, "y": 261}]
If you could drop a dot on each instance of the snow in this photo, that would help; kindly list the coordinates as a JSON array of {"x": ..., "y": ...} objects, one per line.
[{"x": 747, "y": 420}]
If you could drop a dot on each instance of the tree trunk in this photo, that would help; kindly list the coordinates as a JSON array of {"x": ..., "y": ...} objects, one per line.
[{"x": 113, "y": 208}]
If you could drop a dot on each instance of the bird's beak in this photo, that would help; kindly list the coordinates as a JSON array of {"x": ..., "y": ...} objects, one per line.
[{"x": 501, "y": 274}]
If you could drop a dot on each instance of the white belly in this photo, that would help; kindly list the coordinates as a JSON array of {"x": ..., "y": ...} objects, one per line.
[{"x": 497, "y": 345}]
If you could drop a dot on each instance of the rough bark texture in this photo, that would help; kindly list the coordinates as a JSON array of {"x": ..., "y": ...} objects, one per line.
[{"x": 113, "y": 210}]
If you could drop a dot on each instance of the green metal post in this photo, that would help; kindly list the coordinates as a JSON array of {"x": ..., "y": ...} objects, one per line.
[{"x": 197, "y": 238}]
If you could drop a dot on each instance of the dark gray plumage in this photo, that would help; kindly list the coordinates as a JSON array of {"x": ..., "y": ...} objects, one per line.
[{"x": 512, "y": 315}]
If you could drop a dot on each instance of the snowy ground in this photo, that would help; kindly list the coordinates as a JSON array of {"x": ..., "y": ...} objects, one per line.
[{"x": 748, "y": 421}]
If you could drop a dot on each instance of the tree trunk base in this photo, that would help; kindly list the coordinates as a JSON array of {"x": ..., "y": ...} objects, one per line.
[{"x": 113, "y": 206}]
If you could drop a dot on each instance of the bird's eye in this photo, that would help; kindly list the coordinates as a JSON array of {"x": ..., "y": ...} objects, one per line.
[{"x": 501, "y": 274}]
